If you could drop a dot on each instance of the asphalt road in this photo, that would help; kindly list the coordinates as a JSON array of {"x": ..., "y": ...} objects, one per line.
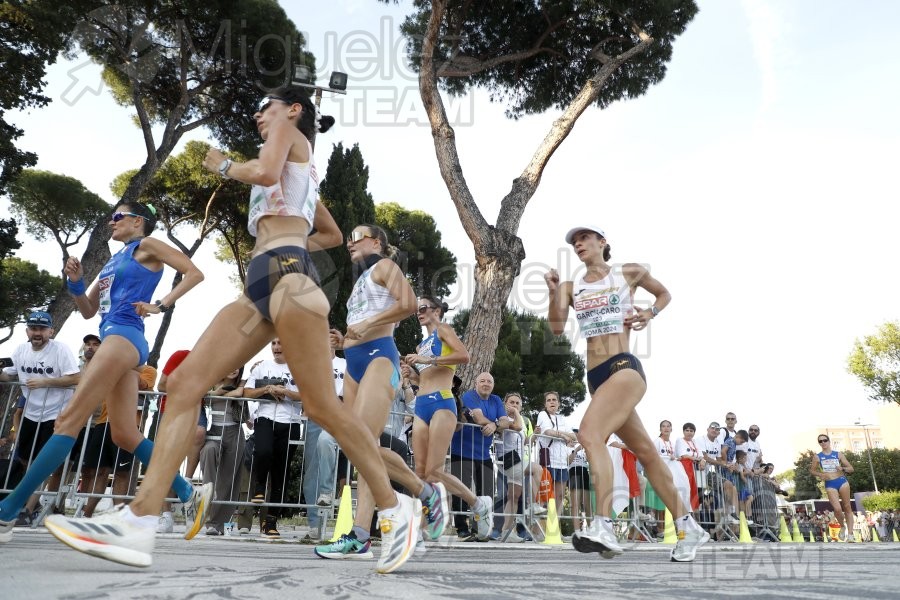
[{"x": 35, "y": 566}]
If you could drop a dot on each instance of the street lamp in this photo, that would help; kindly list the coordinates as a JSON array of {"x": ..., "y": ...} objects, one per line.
[
  {"x": 337, "y": 84},
  {"x": 868, "y": 451}
]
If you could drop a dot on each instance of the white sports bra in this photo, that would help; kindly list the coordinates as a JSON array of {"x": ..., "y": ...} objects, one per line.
[{"x": 294, "y": 195}]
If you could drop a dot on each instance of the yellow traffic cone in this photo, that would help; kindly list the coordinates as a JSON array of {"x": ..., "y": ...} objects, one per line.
[
  {"x": 825, "y": 536},
  {"x": 783, "y": 534},
  {"x": 552, "y": 534},
  {"x": 857, "y": 536},
  {"x": 895, "y": 536},
  {"x": 745, "y": 530},
  {"x": 875, "y": 537},
  {"x": 344, "y": 522},
  {"x": 812, "y": 537},
  {"x": 670, "y": 536},
  {"x": 797, "y": 536}
]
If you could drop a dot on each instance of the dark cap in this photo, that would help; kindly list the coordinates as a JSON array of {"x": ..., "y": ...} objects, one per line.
[
  {"x": 40, "y": 318},
  {"x": 90, "y": 337}
]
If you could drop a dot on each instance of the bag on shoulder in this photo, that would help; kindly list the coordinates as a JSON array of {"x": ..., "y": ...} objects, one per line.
[
  {"x": 511, "y": 459},
  {"x": 544, "y": 457}
]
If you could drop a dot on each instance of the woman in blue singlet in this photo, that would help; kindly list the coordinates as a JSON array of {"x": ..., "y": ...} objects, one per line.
[
  {"x": 381, "y": 298},
  {"x": 281, "y": 299},
  {"x": 603, "y": 301},
  {"x": 829, "y": 466},
  {"x": 122, "y": 296},
  {"x": 435, "y": 420}
]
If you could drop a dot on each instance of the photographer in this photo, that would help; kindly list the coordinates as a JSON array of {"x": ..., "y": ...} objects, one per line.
[{"x": 277, "y": 424}]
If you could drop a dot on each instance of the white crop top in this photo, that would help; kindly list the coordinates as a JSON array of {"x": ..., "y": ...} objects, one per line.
[
  {"x": 294, "y": 195},
  {"x": 601, "y": 306},
  {"x": 367, "y": 299}
]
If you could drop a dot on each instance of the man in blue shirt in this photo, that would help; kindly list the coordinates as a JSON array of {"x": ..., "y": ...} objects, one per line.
[{"x": 470, "y": 457}]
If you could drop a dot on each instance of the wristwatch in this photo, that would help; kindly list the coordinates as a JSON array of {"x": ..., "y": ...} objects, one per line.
[
  {"x": 497, "y": 422},
  {"x": 654, "y": 310},
  {"x": 224, "y": 166},
  {"x": 162, "y": 307}
]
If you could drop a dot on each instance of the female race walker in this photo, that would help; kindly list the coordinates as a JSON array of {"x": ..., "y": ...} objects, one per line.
[
  {"x": 436, "y": 418},
  {"x": 829, "y": 466},
  {"x": 122, "y": 295},
  {"x": 381, "y": 298},
  {"x": 281, "y": 299},
  {"x": 604, "y": 307}
]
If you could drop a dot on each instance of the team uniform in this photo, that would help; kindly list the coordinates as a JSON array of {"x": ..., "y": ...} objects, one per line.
[
  {"x": 830, "y": 463},
  {"x": 428, "y": 404}
]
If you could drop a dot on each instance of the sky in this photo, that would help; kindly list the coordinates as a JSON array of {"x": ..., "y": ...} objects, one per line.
[{"x": 754, "y": 182}]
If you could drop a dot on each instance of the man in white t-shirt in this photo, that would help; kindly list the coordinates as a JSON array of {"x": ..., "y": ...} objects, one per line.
[
  {"x": 752, "y": 448},
  {"x": 48, "y": 372}
]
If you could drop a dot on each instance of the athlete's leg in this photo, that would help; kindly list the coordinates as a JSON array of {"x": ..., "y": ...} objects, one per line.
[
  {"x": 300, "y": 313},
  {"x": 235, "y": 335},
  {"x": 440, "y": 430},
  {"x": 835, "y": 499},
  {"x": 844, "y": 493}
]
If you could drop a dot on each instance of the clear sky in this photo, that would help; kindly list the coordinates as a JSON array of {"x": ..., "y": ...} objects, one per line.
[{"x": 754, "y": 181}]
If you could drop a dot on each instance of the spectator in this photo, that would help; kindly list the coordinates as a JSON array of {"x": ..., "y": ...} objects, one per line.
[
  {"x": 716, "y": 477},
  {"x": 581, "y": 508},
  {"x": 745, "y": 490},
  {"x": 729, "y": 429},
  {"x": 557, "y": 438},
  {"x": 46, "y": 370},
  {"x": 277, "y": 425},
  {"x": 515, "y": 466},
  {"x": 692, "y": 461},
  {"x": 754, "y": 452},
  {"x": 222, "y": 454},
  {"x": 732, "y": 478}
]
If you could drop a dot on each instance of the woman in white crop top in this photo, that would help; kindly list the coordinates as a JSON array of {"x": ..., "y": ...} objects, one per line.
[
  {"x": 603, "y": 301},
  {"x": 282, "y": 299}
]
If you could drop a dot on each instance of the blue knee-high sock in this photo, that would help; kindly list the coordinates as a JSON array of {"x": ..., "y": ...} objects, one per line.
[
  {"x": 51, "y": 456},
  {"x": 182, "y": 486}
]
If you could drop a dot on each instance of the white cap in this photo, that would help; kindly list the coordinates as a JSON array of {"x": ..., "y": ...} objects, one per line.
[{"x": 572, "y": 232}]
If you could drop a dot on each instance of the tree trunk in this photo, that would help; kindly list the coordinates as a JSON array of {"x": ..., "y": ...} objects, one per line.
[{"x": 95, "y": 256}]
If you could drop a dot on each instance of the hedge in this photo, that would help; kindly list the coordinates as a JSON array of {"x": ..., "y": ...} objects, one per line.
[{"x": 889, "y": 500}]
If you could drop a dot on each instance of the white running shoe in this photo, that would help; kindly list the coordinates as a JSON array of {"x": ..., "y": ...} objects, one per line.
[
  {"x": 421, "y": 549},
  {"x": 166, "y": 523},
  {"x": 537, "y": 510},
  {"x": 511, "y": 537},
  {"x": 400, "y": 528},
  {"x": 598, "y": 538},
  {"x": 688, "y": 542},
  {"x": 196, "y": 508},
  {"x": 325, "y": 499},
  {"x": 111, "y": 536},
  {"x": 484, "y": 517},
  {"x": 6, "y": 528}
]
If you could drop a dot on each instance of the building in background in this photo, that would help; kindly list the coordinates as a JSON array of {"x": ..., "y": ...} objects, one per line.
[{"x": 849, "y": 434}]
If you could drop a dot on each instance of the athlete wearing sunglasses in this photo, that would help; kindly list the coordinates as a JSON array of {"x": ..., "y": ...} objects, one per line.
[{"x": 830, "y": 466}]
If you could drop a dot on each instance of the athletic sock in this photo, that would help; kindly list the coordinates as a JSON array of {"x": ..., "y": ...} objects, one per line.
[
  {"x": 183, "y": 488},
  {"x": 51, "y": 456},
  {"x": 360, "y": 533},
  {"x": 427, "y": 491},
  {"x": 147, "y": 521}
]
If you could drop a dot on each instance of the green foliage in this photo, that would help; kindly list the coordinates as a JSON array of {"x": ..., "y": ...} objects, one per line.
[
  {"x": 875, "y": 361},
  {"x": 25, "y": 288},
  {"x": 8, "y": 241},
  {"x": 531, "y": 360},
  {"x": 32, "y": 34},
  {"x": 889, "y": 500},
  {"x": 886, "y": 464},
  {"x": 806, "y": 486},
  {"x": 55, "y": 206},
  {"x": 537, "y": 55}
]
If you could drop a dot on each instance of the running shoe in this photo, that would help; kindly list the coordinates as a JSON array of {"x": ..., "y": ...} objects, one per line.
[
  {"x": 484, "y": 517},
  {"x": 537, "y": 510},
  {"x": 399, "y": 532},
  {"x": 688, "y": 542},
  {"x": 110, "y": 535},
  {"x": 269, "y": 529},
  {"x": 6, "y": 528},
  {"x": 196, "y": 508},
  {"x": 421, "y": 548},
  {"x": 166, "y": 523},
  {"x": 511, "y": 537},
  {"x": 598, "y": 538},
  {"x": 346, "y": 547},
  {"x": 436, "y": 511},
  {"x": 325, "y": 500}
]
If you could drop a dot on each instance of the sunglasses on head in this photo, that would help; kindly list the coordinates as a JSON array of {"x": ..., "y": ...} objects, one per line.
[
  {"x": 118, "y": 216},
  {"x": 358, "y": 236},
  {"x": 425, "y": 308},
  {"x": 265, "y": 102}
]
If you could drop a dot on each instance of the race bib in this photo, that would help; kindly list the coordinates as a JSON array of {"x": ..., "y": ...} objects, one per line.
[
  {"x": 106, "y": 284},
  {"x": 598, "y": 313}
]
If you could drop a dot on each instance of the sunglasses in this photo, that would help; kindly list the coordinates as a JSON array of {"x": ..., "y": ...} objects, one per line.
[
  {"x": 823, "y": 441},
  {"x": 754, "y": 431},
  {"x": 358, "y": 236},
  {"x": 118, "y": 216},
  {"x": 425, "y": 308},
  {"x": 265, "y": 102}
]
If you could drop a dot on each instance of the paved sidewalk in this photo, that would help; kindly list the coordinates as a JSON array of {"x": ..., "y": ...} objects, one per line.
[{"x": 35, "y": 566}]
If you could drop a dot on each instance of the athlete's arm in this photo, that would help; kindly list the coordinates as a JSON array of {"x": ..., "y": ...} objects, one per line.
[
  {"x": 638, "y": 276},
  {"x": 458, "y": 355},
  {"x": 328, "y": 234},
  {"x": 387, "y": 274},
  {"x": 847, "y": 467},
  {"x": 265, "y": 170},
  {"x": 560, "y": 300},
  {"x": 815, "y": 467},
  {"x": 87, "y": 303},
  {"x": 154, "y": 249}
]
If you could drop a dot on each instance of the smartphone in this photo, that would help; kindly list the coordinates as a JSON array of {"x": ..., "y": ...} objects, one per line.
[{"x": 6, "y": 362}]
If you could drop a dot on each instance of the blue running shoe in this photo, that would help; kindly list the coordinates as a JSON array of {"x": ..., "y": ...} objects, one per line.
[
  {"x": 436, "y": 511},
  {"x": 347, "y": 546}
]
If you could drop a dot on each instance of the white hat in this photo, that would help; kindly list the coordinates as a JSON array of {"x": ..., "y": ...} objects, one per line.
[{"x": 572, "y": 232}]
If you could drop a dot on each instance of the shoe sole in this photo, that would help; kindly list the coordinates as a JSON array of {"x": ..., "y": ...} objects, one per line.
[
  {"x": 703, "y": 540},
  {"x": 584, "y": 544},
  {"x": 367, "y": 555},
  {"x": 125, "y": 556},
  {"x": 202, "y": 509},
  {"x": 412, "y": 538}
]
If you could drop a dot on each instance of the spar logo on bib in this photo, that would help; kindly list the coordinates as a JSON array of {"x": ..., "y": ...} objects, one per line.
[
  {"x": 594, "y": 302},
  {"x": 614, "y": 299}
]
